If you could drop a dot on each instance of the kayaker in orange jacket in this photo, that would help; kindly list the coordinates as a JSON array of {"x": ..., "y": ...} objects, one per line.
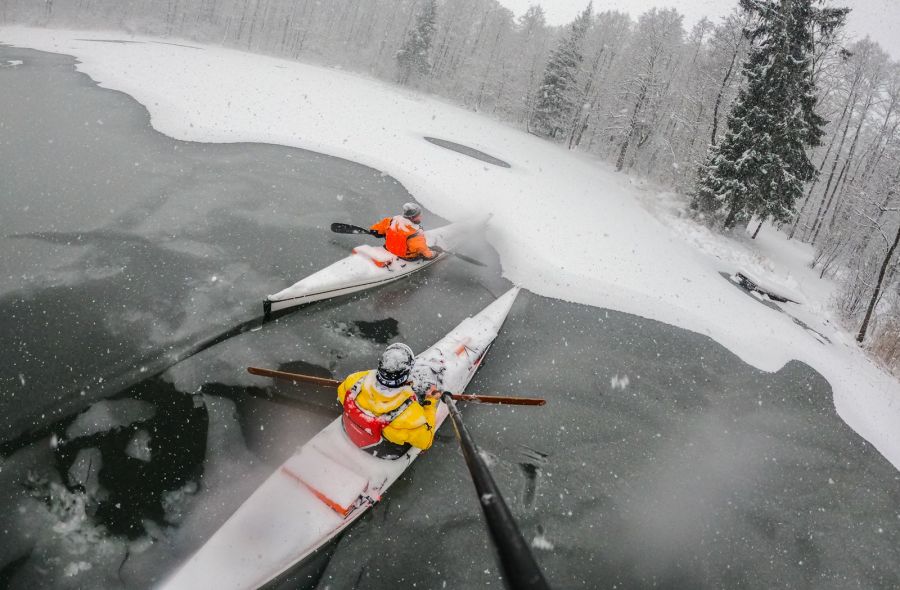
[
  {"x": 382, "y": 414},
  {"x": 403, "y": 236}
]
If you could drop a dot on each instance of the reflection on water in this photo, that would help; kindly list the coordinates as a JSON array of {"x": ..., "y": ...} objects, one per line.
[{"x": 660, "y": 460}]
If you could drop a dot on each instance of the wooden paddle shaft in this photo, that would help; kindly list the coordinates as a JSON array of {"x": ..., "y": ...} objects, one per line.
[
  {"x": 293, "y": 376},
  {"x": 484, "y": 399},
  {"x": 499, "y": 399}
]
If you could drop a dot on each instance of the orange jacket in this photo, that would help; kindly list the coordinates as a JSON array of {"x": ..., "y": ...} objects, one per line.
[{"x": 403, "y": 238}]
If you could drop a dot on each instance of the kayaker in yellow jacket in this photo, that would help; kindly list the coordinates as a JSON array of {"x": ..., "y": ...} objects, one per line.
[{"x": 382, "y": 414}]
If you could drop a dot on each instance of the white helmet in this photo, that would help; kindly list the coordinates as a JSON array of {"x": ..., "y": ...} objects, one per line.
[
  {"x": 411, "y": 211},
  {"x": 395, "y": 365}
]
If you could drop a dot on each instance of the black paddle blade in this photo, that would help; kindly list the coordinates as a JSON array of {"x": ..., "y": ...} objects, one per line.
[{"x": 346, "y": 228}]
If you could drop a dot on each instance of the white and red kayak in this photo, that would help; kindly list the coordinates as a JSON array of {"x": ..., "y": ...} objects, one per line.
[
  {"x": 329, "y": 482},
  {"x": 367, "y": 267}
]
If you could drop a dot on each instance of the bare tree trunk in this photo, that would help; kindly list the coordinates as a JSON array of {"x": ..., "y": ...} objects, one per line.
[
  {"x": 756, "y": 233},
  {"x": 715, "y": 121},
  {"x": 620, "y": 161},
  {"x": 842, "y": 180},
  {"x": 882, "y": 146},
  {"x": 812, "y": 184},
  {"x": 731, "y": 218},
  {"x": 861, "y": 336},
  {"x": 837, "y": 156},
  {"x": 839, "y": 202},
  {"x": 387, "y": 31},
  {"x": 487, "y": 71},
  {"x": 581, "y": 113},
  {"x": 842, "y": 177}
]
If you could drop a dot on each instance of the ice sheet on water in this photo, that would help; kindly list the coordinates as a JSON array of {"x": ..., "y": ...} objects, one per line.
[
  {"x": 76, "y": 567},
  {"x": 617, "y": 382},
  {"x": 541, "y": 542},
  {"x": 68, "y": 549},
  {"x": 139, "y": 446},
  {"x": 174, "y": 502},
  {"x": 85, "y": 471},
  {"x": 109, "y": 414},
  {"x": 231, "y": 473}
]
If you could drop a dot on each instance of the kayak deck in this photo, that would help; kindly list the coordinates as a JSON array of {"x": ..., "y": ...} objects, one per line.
[
  {"x": 329, "y": 482},
  {"x": 355, "y": 273},
  {"x": 368, "y": 267},
  {"x": 311, "y": 498}
]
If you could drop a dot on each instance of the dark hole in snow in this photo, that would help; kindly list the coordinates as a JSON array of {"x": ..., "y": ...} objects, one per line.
[
  {"x": 751, "y": 289},
  {"x": 467, "y": 151}
]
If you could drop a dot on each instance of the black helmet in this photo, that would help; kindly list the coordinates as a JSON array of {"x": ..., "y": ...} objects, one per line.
[
  {"x": 411, "y": 211},
  {"x": 395, "y": 365}
]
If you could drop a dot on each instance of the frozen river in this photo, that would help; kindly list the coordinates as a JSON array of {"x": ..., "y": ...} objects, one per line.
[{"x": 661, "y": 459}]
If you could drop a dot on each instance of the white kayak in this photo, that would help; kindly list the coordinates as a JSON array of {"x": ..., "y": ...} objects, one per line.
[
  {"x": 367, "y": 267},
  {"x": 329, "y": 482}
]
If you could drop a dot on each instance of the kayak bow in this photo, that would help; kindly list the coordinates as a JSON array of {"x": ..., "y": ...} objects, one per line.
[{"x": 329, "y": 483}]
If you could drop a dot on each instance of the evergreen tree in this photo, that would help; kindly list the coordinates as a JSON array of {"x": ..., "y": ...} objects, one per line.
[
  {"x": 760, "y": 165},
  {"x": 557, "y": 96},
  {"x": 413, "y": 58}
]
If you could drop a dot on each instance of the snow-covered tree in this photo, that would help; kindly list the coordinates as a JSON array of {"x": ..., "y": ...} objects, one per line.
[
  {"x": 604, "y": 42},
  {"x": 870, "y": 68},
  {"x": 728, "y": 47},
  {"x": 761, "y": 164},
  {"x": 529, "y": 49},
  {"x": 413, "y": 58},
  {"x": 654, "y": 61},
  {"x": 557, "y": 96},
  {"x": 884, "y": 220}
]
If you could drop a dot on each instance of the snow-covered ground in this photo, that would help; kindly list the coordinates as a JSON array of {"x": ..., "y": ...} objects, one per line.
[{"x": 565, "y": 225}]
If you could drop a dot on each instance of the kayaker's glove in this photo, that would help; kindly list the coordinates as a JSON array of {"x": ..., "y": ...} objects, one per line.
[{"x": 431, "y": 396}]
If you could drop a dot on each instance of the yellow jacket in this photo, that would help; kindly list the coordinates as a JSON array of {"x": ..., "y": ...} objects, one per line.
[{"x": 414, "y": 425}]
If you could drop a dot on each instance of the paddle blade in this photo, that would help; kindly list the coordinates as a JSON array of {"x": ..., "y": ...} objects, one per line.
[
  {"x": 468, "y": 259},
  {"x": 346, "y": 228}
]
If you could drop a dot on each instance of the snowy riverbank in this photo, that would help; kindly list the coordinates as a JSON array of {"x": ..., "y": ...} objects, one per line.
[{"x": 565, "y": 225}]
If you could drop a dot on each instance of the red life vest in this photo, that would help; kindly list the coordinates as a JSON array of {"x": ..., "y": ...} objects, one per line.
[{"x": 363, "y": 428}]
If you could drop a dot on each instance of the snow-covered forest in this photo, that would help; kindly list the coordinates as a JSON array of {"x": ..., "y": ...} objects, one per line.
[{"x": 646, "y": 94}]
